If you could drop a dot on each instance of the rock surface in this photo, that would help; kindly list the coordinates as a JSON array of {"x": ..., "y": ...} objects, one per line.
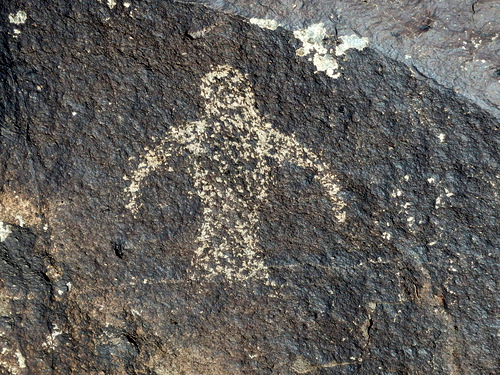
[
  {"x": 185, "y": 192},
  {"x": 455, "y": 42}
]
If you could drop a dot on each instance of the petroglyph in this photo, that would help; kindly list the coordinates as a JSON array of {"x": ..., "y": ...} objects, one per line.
[{"x": 229, "y": 149}]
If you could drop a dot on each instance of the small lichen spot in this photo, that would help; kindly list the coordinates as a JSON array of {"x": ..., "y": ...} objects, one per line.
[
  {"x": 265, "y": 23},
  {"x": 19, "y": 18},
  {"x": 5, "y": 231}
]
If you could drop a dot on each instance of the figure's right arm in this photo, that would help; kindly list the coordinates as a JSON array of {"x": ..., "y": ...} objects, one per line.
[{"x": 187, "y": 137}]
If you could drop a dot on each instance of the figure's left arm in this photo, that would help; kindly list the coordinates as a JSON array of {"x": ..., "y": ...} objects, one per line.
[{"x": 287, "y": 148}]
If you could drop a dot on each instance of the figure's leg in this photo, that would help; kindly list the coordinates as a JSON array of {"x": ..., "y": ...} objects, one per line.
[{"x": 227, "y": 244}]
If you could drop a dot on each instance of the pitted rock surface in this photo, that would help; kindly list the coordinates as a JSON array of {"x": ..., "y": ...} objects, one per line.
[
  {"x": 454, "y": 42},
  {"x": 183, "y": 191}
]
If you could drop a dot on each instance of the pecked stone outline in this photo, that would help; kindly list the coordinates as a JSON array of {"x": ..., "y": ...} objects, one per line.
[{"x": 227, "y": 241}]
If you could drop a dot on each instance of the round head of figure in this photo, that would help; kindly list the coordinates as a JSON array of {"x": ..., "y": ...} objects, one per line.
[{"x": 226, "y": 89}]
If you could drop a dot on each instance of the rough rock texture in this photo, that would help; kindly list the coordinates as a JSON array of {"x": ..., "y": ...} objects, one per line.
[
  {"x": 182, "y": 192},
  {"x": 455, "y": 42}
]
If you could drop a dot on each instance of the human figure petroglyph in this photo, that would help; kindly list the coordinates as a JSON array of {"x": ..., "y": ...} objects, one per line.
[{"x": 229, "y": 148}]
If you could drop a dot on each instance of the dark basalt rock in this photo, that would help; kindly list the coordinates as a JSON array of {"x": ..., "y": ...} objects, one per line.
[
  {"x": 181, "y": 193},
  {"x": 456, "y": 43}
]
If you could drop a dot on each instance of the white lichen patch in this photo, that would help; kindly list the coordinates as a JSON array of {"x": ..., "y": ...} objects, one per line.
[
  {"x": 229, "y": 151},
  {"x": 5, "y": 231},
  {"x": 20, "y": 359},
  {"x": 50, "y": 340},
  {"x": 349, "y": 42},
  {"x": 265, "y": 23},
  {"x": 312, "y": 44},
  {"x": 312, "y": 39},
  {"x": 19, "y": 18},
  {"x": 325, "y": 63},
  {"x": 20, "y": 220}
]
